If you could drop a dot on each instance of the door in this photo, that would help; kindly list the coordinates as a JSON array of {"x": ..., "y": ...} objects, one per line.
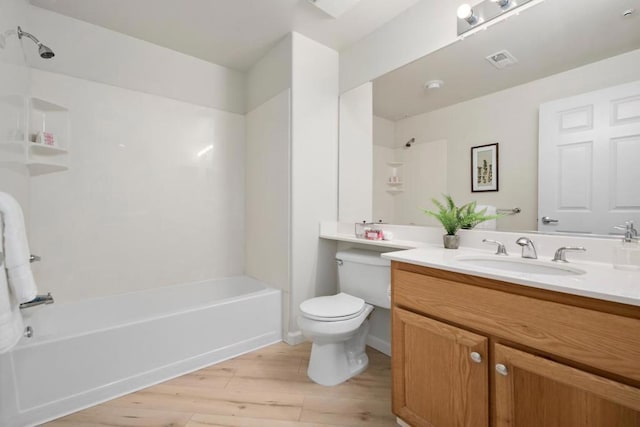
[
  {"x": 440, "y": 373},
  {"x": 532, "y": 391},
  {"x": 589, "y": 151}
]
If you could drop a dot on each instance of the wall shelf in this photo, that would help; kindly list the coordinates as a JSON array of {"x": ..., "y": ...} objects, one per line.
[
  {"x": 46, "y": 150},
  {"x": 395, "y": 191},
  {"x": 36, "y": 168},
  {"x": 21, "y": 120},
  {"x": 395, "y": 164}
]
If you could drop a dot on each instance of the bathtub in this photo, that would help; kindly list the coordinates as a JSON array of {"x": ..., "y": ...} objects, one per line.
[{"x": 87, "y": 352}]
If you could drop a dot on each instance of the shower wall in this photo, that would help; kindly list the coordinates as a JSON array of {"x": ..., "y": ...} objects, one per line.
[
  {"x": 154, "y": 193},
  {"x": 14, "y": 87}
]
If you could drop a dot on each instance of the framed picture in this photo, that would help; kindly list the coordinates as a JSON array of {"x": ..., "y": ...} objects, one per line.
[{"x": 484, "y": 168}]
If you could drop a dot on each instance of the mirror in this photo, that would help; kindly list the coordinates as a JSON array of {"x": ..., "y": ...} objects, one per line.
[{"x": 423, "y": 137}]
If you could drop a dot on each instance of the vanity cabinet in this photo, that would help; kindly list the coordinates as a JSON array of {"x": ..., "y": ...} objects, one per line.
[{"x": 470, "y": 351}]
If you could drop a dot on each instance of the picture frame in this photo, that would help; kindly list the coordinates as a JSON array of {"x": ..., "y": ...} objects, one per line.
[{"x": 484, "y": 168}]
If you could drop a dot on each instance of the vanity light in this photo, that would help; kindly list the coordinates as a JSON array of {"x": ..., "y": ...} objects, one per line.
[
  {"x": 502, "y": 3},
  {"x": 466, "y": 12},
  {"x": 485, "y": 13}
]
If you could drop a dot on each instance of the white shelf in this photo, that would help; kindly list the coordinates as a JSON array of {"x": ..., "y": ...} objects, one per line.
[
  {"x": 37, "y": 168},
  {"x": 46, "y": 150},
  {"x": 395, "y": 184},
  {"x": 46, "y": 116},
  {"x": 395, "y": 164},
  {"x": 395, "y": 191}
]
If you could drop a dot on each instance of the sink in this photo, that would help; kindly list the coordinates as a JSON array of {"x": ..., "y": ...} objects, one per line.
[{"x": 520, "y": 265}]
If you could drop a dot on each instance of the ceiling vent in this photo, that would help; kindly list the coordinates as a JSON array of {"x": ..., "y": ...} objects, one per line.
[
  {"x": 334, "y": 8},
  {"x": 502, "y": 59}
]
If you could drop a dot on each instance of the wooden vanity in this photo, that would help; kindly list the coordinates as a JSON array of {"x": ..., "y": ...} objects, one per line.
[{"x": 474, "y": 351}]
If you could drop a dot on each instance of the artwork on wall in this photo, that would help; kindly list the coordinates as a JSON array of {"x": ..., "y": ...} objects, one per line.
[{"x": 484, "y": 168}]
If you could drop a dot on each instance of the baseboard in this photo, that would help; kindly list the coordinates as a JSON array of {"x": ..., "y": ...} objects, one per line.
[
  {"x": 294, "y": 338},
  {"x": 401, "y": 423},
  {"x": 381, "y": 345}
]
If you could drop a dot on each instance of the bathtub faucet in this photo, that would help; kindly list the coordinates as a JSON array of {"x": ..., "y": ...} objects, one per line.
[{"x": 38, "y": 300}]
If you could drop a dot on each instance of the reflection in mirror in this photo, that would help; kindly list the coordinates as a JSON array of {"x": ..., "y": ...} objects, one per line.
[{"x": 558, "y": 50}]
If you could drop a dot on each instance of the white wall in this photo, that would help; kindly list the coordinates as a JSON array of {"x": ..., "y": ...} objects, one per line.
[
  {"x": 14, "y": 87},
  {"x": 474, "y": 123},
  {"x": 271, "y": 75},
  {"x": 95, "y": 53},
  {"x": 421, "y": 29},
  {"x": 383, "y": 153},
  {"x": 267, "y": 163},
  {"x": 138, "y": 207},
  {"x": 356, "y": 154},
  {"x": 314, "y": 170}
]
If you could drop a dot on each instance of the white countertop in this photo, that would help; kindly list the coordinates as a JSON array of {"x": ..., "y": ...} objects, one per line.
[{"x": 600, "y": 280}]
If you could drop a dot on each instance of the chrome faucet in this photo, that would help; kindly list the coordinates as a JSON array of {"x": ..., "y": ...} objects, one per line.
[
  {"x": 501, "y": 250},
  {"x": 38, "y": 300},
  {"x": 561, "y": 256},
  {"x": 528, "y": 249}
]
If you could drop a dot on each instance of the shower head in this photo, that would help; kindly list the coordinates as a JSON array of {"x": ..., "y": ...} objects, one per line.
[
  {"x": 44, "y": 51},
  {"x": 409, "y": 142}
]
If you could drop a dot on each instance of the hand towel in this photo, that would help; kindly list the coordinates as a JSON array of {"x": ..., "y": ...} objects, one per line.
[
  {"x": 16, "y": 250},
  {"x": 492, "y": 224},
  {"x": 10, "y": 318}
]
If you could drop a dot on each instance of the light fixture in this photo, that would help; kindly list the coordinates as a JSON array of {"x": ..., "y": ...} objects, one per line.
[
  {"x": 485, "y": 13},
  {"x": 433, "y": 84},
  {"x": 466, "y": 12},
  {"x": 502, "y": 3}
]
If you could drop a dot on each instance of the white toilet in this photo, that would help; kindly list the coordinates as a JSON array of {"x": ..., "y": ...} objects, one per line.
[{"x": 337, "y": 324}]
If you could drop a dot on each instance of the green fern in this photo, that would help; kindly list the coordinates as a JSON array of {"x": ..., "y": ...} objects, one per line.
[{"x": 454, "y": 218}]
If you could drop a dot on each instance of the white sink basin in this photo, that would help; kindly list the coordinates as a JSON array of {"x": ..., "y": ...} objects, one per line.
[{"x": 520, "y": 265}]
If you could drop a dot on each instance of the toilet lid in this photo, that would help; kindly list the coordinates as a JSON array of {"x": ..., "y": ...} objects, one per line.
[{"x": 332, "y": 308}]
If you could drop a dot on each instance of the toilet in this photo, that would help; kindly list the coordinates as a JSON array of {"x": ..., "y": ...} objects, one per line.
[{"x": 337, "y": 324}]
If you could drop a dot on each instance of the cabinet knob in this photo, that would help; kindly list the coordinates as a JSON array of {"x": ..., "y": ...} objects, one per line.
[
  {"x": 476, "y": 357},
  {"x": 501, "y": 369}
]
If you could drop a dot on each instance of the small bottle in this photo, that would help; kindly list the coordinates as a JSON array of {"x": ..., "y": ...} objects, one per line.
[{"x": 627, "y": 255}]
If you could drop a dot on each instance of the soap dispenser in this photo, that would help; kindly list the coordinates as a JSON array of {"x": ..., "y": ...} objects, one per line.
[{"x": 627, "y": 255}]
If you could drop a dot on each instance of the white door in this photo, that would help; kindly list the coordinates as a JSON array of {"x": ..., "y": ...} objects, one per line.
[{"x": 589, "y": 161}]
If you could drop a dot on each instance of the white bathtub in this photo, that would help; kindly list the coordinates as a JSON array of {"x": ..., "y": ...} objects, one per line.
[{"x": 91, "y": 351}]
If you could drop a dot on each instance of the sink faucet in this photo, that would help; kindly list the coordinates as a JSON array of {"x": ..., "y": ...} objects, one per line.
[
  {"x": 528, "y": 250},
  {"x": 560, "y": 255},
  {"x": 501, "y": 250}
]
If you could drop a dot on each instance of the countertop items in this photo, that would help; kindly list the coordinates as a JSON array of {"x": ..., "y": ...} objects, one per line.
[{"x": 589, "y": 279}]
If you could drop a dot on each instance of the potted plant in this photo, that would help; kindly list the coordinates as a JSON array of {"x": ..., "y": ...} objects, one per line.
[{"x": 454, "y": 218}]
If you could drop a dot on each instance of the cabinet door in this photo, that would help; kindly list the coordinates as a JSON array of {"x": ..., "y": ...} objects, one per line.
[
  {"x": 532, "y": 391},
  {"x": 440, "y": 373}
]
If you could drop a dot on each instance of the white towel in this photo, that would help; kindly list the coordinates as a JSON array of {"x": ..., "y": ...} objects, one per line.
[
  {"x": 16, "y": 280},
  {"x": 492, "y": 224},
  {"x": 16, "y": 250}
]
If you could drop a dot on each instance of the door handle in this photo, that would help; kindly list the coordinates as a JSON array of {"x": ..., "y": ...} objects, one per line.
[{"x": 546, "y": 220}]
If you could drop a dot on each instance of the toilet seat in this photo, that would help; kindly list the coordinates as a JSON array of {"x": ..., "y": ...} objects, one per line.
[{"x": 333, "y": 308}]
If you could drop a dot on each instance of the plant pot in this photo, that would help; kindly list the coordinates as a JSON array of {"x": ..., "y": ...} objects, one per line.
[{"x": 451, "y": 242}]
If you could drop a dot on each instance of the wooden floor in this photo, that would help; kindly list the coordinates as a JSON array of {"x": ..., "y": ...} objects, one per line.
[{"x": 268, "y": 387}]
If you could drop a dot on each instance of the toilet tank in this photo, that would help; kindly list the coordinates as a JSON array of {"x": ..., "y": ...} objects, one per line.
[{"x": 364, "y": 274}]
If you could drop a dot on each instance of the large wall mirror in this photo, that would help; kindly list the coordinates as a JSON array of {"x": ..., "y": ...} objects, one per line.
[{"x": 489, "y": 88}]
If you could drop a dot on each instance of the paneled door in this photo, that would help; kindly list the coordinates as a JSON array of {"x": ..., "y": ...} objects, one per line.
[
  {"x": 532, "y": 392},
  {"x": 589, "y": 161},
  {"x": 440, "y": 373}
]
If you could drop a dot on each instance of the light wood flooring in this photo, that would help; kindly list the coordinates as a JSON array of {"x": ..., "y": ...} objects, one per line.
[{"x": 268, "y": 387}]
